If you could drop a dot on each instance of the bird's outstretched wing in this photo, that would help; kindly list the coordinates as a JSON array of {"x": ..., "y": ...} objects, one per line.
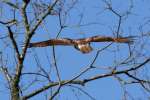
[{"x": 83, "y": 42}]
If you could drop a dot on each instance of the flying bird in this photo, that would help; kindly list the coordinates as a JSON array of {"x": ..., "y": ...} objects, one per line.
[{"x": 82, "y": 44}]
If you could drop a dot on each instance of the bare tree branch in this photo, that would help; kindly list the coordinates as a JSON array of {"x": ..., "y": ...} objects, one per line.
[
  {"x": 10, "y": 4},
  {"x": 14, "y": 42},
  {"x": 84, "y": 81}
]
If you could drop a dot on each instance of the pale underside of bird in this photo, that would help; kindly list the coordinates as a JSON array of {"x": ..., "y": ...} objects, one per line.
[
  {"x": 83, "y": 44},
  {"x": 84, "y": 48}
]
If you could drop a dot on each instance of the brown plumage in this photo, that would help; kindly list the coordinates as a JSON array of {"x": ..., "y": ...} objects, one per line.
[{"x": 82, "y": 44}]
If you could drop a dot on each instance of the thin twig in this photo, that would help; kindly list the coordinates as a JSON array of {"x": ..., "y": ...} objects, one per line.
[{"x": 84, "y": 81}]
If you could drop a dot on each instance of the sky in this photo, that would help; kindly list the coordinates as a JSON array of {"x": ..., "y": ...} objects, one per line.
[{"x": 96, "y": 20}]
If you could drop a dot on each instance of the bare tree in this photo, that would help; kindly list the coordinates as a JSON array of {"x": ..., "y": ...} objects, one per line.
[{"x": 112, "y": 38}]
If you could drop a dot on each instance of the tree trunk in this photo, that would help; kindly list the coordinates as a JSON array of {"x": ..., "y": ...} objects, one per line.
[{"x": 15, "y": 91}]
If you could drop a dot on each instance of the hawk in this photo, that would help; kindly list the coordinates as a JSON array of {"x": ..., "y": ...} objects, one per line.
[{"x": 83, "y": 44}]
